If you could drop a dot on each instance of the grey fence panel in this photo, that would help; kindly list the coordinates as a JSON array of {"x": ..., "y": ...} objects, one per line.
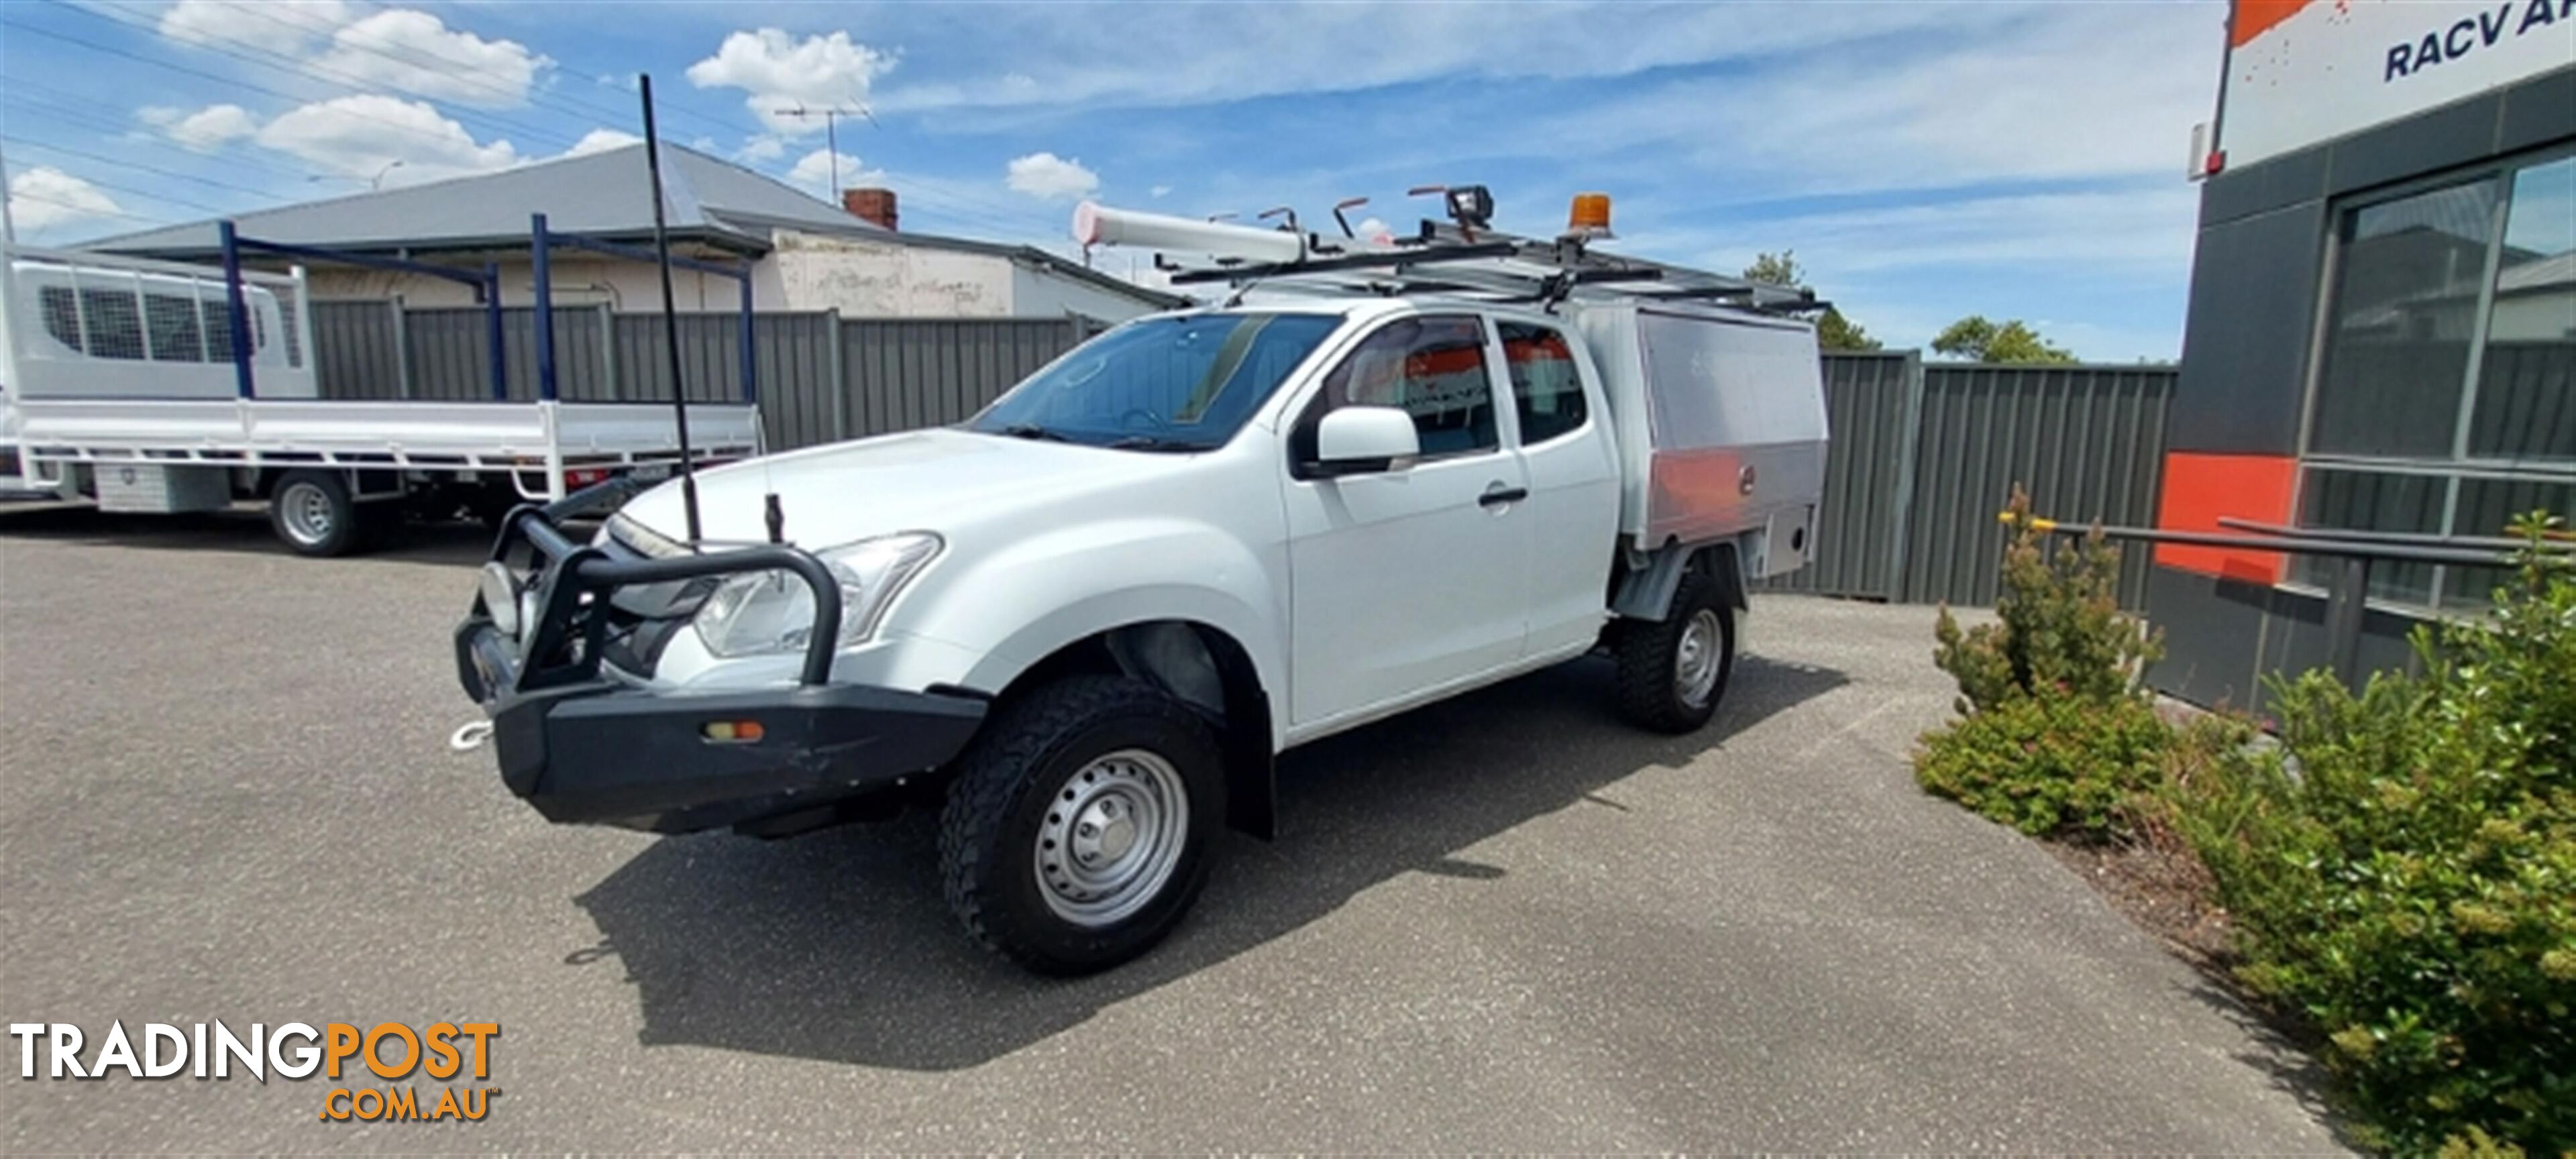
[
  {"x": 1870, "y": 405},
  {"x": 357, "y": 351},
  {"x": 2087, "y": 441},
  {"x": 905, "y": 373},
  {"x": 800, "y": 387}
]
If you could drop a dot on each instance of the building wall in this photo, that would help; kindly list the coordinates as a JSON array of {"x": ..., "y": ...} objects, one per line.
[
  {"x": 2259, "y": 317},
  {"x": 869, "y": 279},
  {"x": 1043, "y": 293}
]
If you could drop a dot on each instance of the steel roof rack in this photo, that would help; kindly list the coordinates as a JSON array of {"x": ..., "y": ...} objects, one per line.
[{"x": 1459, "y": 260}]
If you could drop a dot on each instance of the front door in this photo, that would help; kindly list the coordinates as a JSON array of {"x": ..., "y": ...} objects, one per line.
[{"x": 1412, "y": 578}]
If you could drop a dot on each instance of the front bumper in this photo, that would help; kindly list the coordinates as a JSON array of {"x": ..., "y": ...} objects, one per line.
[{"x": 587, "y": 749}]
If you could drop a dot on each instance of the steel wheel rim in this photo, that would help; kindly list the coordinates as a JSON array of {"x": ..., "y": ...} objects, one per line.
[
  {"x": 1112, "y": 838},
  {"x": 1698, "y": 657},
  {"x": 306, "y": 512}
]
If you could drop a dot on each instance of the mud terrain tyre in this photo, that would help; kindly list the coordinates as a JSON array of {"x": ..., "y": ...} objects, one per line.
[
  {"x": 1673, "y": 673},
  {"x": 1078, "y": 829}
]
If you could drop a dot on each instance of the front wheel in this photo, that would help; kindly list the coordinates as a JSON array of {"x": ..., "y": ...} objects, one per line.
[
  {"x": 1672, "y": 673},
  {"x": 1077, "y": 832}
]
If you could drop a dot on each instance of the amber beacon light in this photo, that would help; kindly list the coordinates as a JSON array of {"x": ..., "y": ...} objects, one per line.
[{"x": 1590, "y": 216}]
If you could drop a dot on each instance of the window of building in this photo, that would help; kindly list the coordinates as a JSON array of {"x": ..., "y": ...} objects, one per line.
[
  {"x": 2445, "y": 398},
  {"x": 1546, "y": 391},
  {"x": 1432, "y": 368}
]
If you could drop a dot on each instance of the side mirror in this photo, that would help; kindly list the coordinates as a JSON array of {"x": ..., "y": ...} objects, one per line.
[{"x": 1356, "y": 440}]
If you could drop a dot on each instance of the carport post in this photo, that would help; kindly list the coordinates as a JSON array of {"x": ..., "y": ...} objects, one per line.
[
  {"x": 492, "y": 325},
  {"x": 236, "y": 307},
  {"x": 545, "y": 306},
  {"x": 750, "y": 365}
]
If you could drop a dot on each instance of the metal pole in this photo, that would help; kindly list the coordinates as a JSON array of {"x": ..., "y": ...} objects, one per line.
[
  {"x": 2347, "y": 606},
  {"x": 238, "y": 309},
  {"x": 750, "y": 330},
  {"x": 835, "y": 376},
  {"x": 492, "y": 330},
  {"x": 670, "y": 311},
  {"x": 8, "y": 220},
  {"x": 545, "y": 306}
]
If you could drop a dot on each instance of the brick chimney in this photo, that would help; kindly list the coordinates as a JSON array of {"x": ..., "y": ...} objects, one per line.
[{"x": 873, "y": 205}]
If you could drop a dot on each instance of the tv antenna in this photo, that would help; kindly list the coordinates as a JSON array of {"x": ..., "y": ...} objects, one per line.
[{"x": 831, "y": 135}]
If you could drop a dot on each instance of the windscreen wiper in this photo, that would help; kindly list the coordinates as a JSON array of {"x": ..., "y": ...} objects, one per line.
[
  {"x": 1156, "y": 443},
  {"x": 1033, "y": 431}
]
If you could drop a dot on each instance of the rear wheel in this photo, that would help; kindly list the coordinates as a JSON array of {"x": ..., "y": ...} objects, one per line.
[
  {"x": 1077, "y": 831},
  {"x": 1672, "y": 673},
  {"x": 314, "y": 513}
]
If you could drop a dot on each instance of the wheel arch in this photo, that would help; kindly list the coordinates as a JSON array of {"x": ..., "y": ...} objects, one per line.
[
  {"x": 1644, "y": 590},
  {"x": 1205, "y": 667}
]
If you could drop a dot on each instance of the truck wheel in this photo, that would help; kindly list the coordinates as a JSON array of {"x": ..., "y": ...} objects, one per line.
[
  {"x": 1077, "y": 831},
  {"x": 1673, "y": 673},
  {"x": 313, "y": 513}
]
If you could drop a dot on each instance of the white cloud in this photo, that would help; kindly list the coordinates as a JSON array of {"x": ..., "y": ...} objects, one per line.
[
  {"x": 782, "y": 72},
  {"x": 1159, "y": 192},
  {"x": 284, "y": 26},
  {"x": 45, "y": 196},
  {"x": 416, "y": 52},
  {"x": 814, "y": 171},
  {"x": 1188, "y": 54},
  {"x": 205, "y": 130},
  {"x": 763, "y": 147},
  {"x": 360, "y": 136},
  {"x": 2073, "y": 91},
  {"x": 1046, "y": 175},
  {"x": 2105, "y": 234},
  {"x": 601, "y": 141}
]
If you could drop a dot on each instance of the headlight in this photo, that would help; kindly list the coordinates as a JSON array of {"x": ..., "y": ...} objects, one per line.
[{"x": 773, "y": 611}]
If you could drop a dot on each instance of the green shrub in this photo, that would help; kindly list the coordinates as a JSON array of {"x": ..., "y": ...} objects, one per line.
[
  {"x": 2049, "y": 763},
  {"x": 2060, "y": 626},
  {"x": 2406, "y": 878},
  {"x": 2054, "y": 737}
]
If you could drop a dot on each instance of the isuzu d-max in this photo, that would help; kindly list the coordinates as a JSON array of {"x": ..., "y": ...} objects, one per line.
[{"x": 1085, "y": 621}]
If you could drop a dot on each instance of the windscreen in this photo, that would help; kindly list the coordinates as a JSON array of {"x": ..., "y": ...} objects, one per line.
[{"x": 1181, "y": 383}]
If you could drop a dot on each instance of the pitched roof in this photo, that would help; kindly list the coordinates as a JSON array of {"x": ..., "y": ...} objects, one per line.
[{"x": 607, "y": 192}]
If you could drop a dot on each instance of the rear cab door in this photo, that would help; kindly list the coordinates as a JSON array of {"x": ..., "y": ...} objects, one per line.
[{"x": 1571, "y": 463}]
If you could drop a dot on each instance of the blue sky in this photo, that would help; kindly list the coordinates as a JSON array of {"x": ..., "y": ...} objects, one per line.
[{"x": 1924, "y": 160}]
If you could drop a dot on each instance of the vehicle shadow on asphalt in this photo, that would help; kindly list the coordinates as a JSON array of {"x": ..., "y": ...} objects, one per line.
[
  {"x": 241, "y": 530},
  {"x": 837, "y": 946},
  {"x": 2288, "y": 1064}
]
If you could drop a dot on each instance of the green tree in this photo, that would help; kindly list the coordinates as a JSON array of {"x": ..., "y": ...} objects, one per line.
[
  {"x": 1977, "y": 339},
  {"x": 1833, "y": 331}
]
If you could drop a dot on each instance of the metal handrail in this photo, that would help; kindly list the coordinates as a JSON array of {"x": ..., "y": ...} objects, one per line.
[
  {"x": 2347, "y": 598},
  {"x": 2550, "y": 540}
]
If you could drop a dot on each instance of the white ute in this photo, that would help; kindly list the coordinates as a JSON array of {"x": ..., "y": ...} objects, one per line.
[{"x": 1087, "y": 619}]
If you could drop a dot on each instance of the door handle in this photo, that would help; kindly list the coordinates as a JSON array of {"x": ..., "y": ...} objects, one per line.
[{"x": 1497, "y": 494}]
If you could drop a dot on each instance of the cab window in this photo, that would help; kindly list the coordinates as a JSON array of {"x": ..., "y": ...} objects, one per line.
[
  {"x": 1547, "y": 392},
  {"x": 1432, "y": 368}
]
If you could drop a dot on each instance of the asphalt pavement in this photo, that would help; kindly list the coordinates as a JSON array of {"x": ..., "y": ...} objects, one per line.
[{"x": 1506, "y": 922}]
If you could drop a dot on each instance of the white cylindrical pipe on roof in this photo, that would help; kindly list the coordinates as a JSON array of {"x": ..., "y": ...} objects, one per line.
[{"x": 1096, "y": 224}]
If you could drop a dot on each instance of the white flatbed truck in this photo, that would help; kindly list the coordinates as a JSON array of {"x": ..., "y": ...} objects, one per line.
[
  {"x": 120, "y": 387},
  {"x": 1083, "y": 622}
]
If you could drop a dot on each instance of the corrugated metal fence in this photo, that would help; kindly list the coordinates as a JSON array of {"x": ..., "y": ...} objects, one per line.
[
  {"x": 822, "y": 377},
  {"x": 1923, "y": 455}
]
